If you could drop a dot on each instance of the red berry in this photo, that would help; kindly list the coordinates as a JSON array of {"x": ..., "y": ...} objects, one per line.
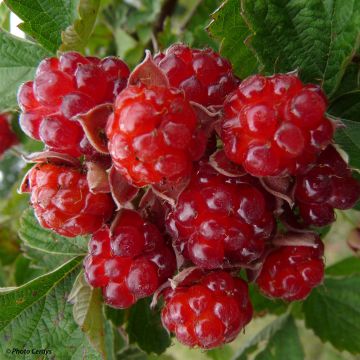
[
  {"x": 204, "y": 75},
  {"x": 62, "y": 200},
  {"x": 62, "y": 89},
  {"x": 327, "y": 185},
  {"x": 7, "y": 136},
  {"x": 131, "y": 262},
  {"x": 275, "y": 125},
  {"x": 209, "y": 313},
  {"x": 150, "y": 133},
  {"x": 290, "y": 272},
  {"x": 218, "y": 220}
]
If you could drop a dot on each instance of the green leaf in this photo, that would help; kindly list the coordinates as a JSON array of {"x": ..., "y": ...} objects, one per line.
[
  {"x": 18, "y": 62},
  {"x": 230, "y": 28},
  {"x": 349, "y": 140},
  {"x": 345, "y": 267},
  {"x": 224, "y": 352},
  {"x": 37, "y": 316},
  {"x": 132, "y": 353},
  {"x": 76, "y": 36},
  {"x": 117, "y": 316},
  {"x": 318, "y": 37},
  {"x": 45, "y": 20},
  {"x": 283, "y": 341},
  {"x": 261, "y": 304},
  {"x": 24, "y": 272},
  {"x": 332, "y": 311},
  {"x": 88, "y": 312},
  {"x": 45, "y": 240},
  {"x": 4, "y": 17},
  {"x": 144, "y": 328}
]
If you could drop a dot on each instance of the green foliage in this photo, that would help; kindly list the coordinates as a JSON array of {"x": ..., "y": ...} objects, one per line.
[
  {"x": 45, "y": 20},
  {"x": 18, "y": 61},
  {"x": 144, "y": 327}
]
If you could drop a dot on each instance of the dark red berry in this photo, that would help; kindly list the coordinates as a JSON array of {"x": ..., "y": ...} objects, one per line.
[
  {"x": 218, "y": 220},
  {"x": 275, "y": 125},
  {"x": 327, "y": 185},
  {"x": 209, "y": 313},
  {"x": 62, "y": 200},
  {"x": 131, "y": 262},
  {"x": 7, "y": 136},
  {"x": 150, "y": 133},
  {"x": 291, "y": 272},
  {"x": 62, "y": 89},
  {"x": 204, "y": 75}
]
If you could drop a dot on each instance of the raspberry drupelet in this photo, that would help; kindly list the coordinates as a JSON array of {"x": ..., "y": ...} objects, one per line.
[
  {"x": 151, "y": 135},
  {"x": 210, "y": 312},
  {"x": 63, "y": 88},
  {"x": 131, "y": 262},
  {"x": 220, "y": 220},
  {"x": 275, "y": 125},
  {"x": 328, "y": 185},
  {"x": 62, "y": 200},
  {"x": 291, "y": 272},
  {"x": 204, "y": 76}
]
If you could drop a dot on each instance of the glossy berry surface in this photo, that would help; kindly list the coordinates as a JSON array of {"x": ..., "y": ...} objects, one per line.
[
  {"x": 208, "y": 313},
  {"x": 204, "y": 76},
  {"x": 151, "y": 134},
  {"x": 62, "y": 200},
  {"x": 219, "y": 220},
  {"x": 291, "y": 272},
  {"x": 275, "y": 125},
  {"x": 328, "y": 185},
  {"x": 63, "y": 88},
  {"x": 131, "y": 262},
  {"x": 7, "y": 136}
]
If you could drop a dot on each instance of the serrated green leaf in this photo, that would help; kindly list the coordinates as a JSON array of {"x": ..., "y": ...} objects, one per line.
[
  {"x": 45, "y": 240},
  {"x": 345, "y": 267},
  {"x": 282, "y": 339},
  {"x": 144, "y": 328},
  {"x": 24, "y": 272},
  {"x": 230, "y": 28},
  {"x": 318, "y": 37},
  {"x": 88, "y": 312},
  {"x": 45, "y": 20},
  {"x": 349, "y": 140},
  {"x": 37, "y": 316},
  {"x": 332, "y": 311},
  {"x": 18, "y": 62},
  {"x": 76, "y": 36}
]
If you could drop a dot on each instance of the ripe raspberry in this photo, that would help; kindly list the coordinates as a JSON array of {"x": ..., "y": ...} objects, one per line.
[
  {"x": 204, "y": 75},
  {"x": 219, "y": 220},
  {"x": 63, "y": 88},
  {"x": 129, "y": 264},
  {"x": 290, "y": 272},
  {"x": 275, "y": 125},
  {"x": 209, "y": 313},
  {"x": 7, "y": 136},
  {"x": 63, "y": 202},
  {"x": 150, "y": 134},
  {"x": 327, "y": 185}
]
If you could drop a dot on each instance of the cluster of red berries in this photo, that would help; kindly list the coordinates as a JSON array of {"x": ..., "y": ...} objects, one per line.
[{"x": 189, "y": 216}]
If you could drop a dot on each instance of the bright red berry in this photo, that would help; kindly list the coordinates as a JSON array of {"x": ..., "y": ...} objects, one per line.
[
  {"x": 62, "y": 200},
  {"x": 275, "y": 125},
  {"x": 219, "y": 220},
  {"x": 327, "y": 185},
  {"x": 131, "y": 262},
  {"x": 7, "y": 136},
  {"x": 291, "y": 272},
  {"x": 151, "y": 133},
  {"x": 63, "y": 88},
  {"x": 210, "y": 312},
  {"x": 203, "y": 75}
]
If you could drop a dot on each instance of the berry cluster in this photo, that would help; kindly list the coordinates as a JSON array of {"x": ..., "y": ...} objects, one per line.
[
  {"x": 7, "y": 136},
  {"x": 199, "y": 165}
]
